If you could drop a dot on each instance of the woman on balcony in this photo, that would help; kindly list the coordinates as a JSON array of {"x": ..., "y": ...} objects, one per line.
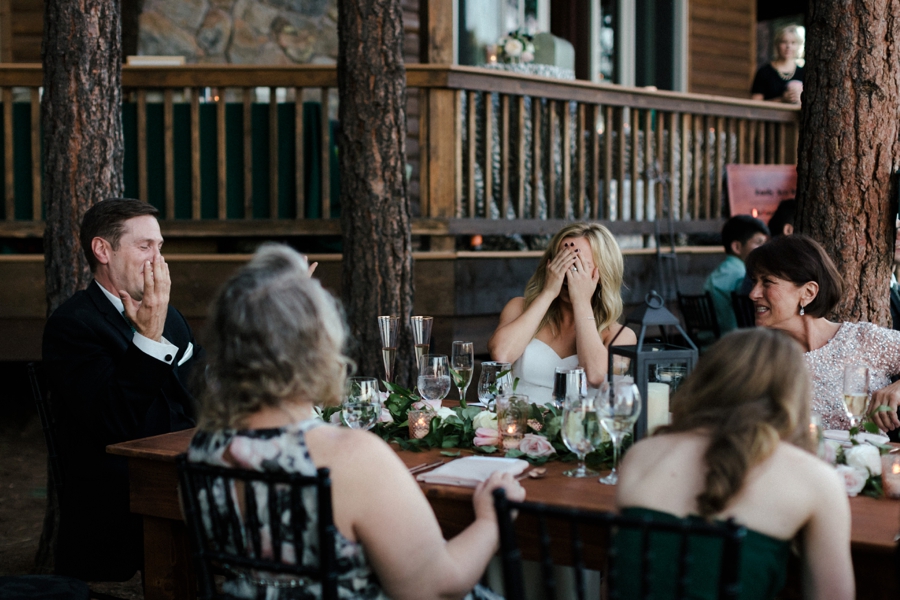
[
  {"x": 795, "y": 284},
  {"x": 275, "y": 340},
  {"x": 737, "y": 448},
  {"x": 782, "y": 79},
  {"x": 568, "y": 315}
]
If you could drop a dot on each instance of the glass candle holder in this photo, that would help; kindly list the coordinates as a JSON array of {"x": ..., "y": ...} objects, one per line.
[
  {"x": 890, "y": 475},
  {"x": 512, "y": 419},
  {"x": 419, "y": 423}
]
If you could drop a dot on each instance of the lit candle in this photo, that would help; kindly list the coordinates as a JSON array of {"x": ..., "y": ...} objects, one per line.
[
  {"x": 419, "y": 423},
  {"x": 890, "y": 475},
  {"x": 657, "y": 405}
]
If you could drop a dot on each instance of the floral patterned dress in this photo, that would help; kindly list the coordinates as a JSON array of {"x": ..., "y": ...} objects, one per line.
[{"x": 284, "y": 449}]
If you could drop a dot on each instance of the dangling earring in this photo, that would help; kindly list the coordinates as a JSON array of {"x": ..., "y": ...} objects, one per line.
[{"x": 801, "y": 310}]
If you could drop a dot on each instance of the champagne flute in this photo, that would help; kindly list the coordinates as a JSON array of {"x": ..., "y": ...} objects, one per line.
[
  {"x": 618, "y": 407},
  {"x": 362, "y": 406},
  {"x": 495, "y": 380},
  {"x": 462, "y": 363},
  {"x": 856, "y": 392},
  {"x": 388, "y": 326},
  {"x": 434, "y": 378},
  {"x": 421, "y": 332},
  {"x": 566, "y": 379},
  {"x": 581, "y": 431}
]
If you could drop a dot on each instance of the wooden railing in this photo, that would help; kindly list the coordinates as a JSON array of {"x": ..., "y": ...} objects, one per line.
[{"x": 490, "y": 151}]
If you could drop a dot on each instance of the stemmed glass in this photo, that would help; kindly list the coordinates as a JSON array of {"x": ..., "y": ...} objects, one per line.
[
  {"x": 566, "y": 379},
  {"x": 388, "y": 326},
  {"x": 495, "y": 380},
  {"x": 581, "y": 431},
  {"x": 362, "y": 405},
  {"x": 462, "y": 363},
  {"x": 434, "y": 378},
  {"x": 618, "y": 407},
  {"x": 856, "y": 392},
  {"x": 421, "y": 332}
]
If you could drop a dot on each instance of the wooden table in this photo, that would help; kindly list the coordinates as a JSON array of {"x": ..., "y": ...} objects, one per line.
[{"x": 169, "y": 572}]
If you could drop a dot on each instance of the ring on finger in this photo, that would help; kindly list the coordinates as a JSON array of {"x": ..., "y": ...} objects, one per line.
[{"x": 574, "y": 269}]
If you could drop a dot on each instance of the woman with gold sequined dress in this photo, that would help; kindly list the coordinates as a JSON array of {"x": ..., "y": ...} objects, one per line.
[{"x": 795, "y": 284}]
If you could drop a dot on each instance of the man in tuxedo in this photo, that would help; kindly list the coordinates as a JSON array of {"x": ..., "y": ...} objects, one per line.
[{"x": 117, "y": 359}]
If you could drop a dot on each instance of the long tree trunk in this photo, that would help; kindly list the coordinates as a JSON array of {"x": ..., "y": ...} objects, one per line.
[
  {"x": 375, "y": 221},
  {"x": 850, "y": 146},
  {"x": 83, "y": 149}
]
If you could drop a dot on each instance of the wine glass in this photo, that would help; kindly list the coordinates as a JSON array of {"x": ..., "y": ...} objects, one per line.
[
  {"x": 434, "y": 378},
  {"x": 462, "y": 363},
  {"x": 421, "y": 332},
  {"x": 495, "y": 380},
  {"x": 618, "y": 407},
  {"x": 388, "y": 326},
  {"x": 567, "y": 379},
  {"x": 856, "y": 392},
  {"x": 581, "y": 431},
  {"x": 362, "y": 405}
]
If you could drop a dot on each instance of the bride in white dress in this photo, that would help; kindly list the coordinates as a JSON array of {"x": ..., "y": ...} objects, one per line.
[{"x": 569, "y": 313}]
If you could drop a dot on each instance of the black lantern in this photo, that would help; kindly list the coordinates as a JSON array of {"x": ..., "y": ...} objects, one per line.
[{"x": 657, "y": 367}]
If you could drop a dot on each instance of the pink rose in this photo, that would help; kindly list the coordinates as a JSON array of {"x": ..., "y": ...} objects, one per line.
[
  {"x": 536, "y": 446},
  {"x": 386, "y": 416},
  {"x": 485, "y": 436},
  {"x": 854, "y": 481}
]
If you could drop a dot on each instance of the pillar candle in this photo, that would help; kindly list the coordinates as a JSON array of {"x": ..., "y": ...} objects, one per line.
[{"x": 657, "y": 405}]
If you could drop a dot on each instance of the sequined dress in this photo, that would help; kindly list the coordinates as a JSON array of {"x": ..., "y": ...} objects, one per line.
[{"x": 854, "y": 343}]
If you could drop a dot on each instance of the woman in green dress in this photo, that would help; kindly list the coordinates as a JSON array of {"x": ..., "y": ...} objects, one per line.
[{"x": 738, "y": 448}]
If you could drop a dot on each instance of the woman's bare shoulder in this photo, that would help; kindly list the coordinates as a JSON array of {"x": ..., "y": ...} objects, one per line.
[{"x": 623, "y": 336}]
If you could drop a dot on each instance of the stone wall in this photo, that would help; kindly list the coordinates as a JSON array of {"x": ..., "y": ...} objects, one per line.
[{"x": 274, "y": 32}]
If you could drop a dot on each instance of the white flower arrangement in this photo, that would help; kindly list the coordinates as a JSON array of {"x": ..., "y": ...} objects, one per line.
[{"x": 516, "y": 47}]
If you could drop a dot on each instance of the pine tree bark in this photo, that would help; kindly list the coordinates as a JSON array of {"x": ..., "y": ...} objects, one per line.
[
  {"x": 82, "y": 129},
  {"x": 82, "y": 152},
  {"x": 376, "y": 275},
  {"x": 850, "y": 146}
]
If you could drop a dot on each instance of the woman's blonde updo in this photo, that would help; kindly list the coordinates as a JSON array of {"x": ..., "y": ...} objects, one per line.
[{"x": 273, "y": 335}]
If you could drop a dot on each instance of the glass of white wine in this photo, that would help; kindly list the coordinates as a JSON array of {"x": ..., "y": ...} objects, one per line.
[
  {"x": 388, "y": 327},
  {"x": 421, "y": 333},
  {"x": 362, "y": 404},
  {"x": 618, "y": 408},
  {"x": 462, "y": 364},
  {"x": 434, "y": 377},
  {"x": 856, "y": 392},
  {"x": 581, "y": 431},
  {"x": 495, "y": 381}
]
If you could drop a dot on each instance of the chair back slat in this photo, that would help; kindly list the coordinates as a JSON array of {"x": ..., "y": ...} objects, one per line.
[
  {"x": 229, "y": 536},
  {"x": 699, "y": 315},
  {"x": 744, "y": 311},
  {"x": 657, "y": 541},
  {"x": 48, "y": 422},
  {"x": 548, "y": 575}
]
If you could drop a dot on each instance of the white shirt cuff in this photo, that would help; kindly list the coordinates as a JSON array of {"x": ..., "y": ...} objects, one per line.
[{"x": 163, "y": 350}]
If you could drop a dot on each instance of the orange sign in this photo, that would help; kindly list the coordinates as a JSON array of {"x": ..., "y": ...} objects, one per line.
[{"x": 757, "y": 189}]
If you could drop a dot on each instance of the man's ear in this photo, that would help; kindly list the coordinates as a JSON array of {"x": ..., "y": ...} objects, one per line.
[
  {"x": 101, "y": 249},
  {"x": 736, "y": 247}
]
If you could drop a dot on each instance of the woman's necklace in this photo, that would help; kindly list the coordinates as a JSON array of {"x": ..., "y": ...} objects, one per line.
[{"x": 786, "y": 75}]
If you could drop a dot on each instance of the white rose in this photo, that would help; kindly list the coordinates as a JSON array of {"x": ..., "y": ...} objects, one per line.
[
  {"x": 485, "y": 419},
  {"x": 527, "y": 57},
  {"x": 445, "y": 412},
  {"x": 335, "y": 418},
  {"x": 863, "y": 457},
  {"x": 536, "y": 445},
  {"x": 386, "y": 416},
  {"x": 831, "y": 451},
  {"x": 513, "y": 47},
  {"x": 854, "y": 480}
]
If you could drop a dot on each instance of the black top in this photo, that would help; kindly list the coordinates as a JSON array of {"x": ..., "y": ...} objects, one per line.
[{"x": 770, "y": 84}]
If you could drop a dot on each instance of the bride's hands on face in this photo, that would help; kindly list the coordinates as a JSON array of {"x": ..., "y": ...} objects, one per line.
[
  {"x": 582, "y": 282},
  {"x": 558, "y": 267}
]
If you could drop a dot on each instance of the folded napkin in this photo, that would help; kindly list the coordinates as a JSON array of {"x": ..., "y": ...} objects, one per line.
[
  {"x": 843, "y": 436},
  {"x": 472, "y": 470}
]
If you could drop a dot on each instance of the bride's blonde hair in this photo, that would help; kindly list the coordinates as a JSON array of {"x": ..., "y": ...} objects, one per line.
[{"x": 607, "y": 299}]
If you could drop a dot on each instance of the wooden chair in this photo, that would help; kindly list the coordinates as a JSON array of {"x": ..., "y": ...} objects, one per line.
[
  {"x": 699, "y": 316},
  {"x": 680, "y": 536},
  {"x": 744, "y": 310},
  {"x": 226, "y": 536}
]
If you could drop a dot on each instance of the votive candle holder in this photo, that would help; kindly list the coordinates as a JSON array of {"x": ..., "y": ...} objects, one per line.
[
  {"x": 512, "y": 419},
  {"x": 419, "y": 423},
  {"x": 890, "y": 475}
]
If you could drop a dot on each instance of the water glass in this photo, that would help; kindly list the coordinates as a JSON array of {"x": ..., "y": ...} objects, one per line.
[
  {"x": 618, "y": 408},
  {"x": 566, "y": 380},
  {"x": 434, "y": 378},
  {"x": 462, "y": 364},
  {"x": 362, "y": 405},
  {"x": 581, "y": 432},
  {"x": 495, "y": 381},
  {"x": 856, "y": 392}
]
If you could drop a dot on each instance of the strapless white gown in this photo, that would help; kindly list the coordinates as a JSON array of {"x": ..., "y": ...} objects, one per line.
[{"x": 536, "y": 368}]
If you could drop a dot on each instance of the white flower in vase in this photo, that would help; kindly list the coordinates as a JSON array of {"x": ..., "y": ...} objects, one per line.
[
  {"x": 485, "y": 419},
  {"x": 513, "y": 48},
  {"x": 864, "y": 457},
  {"x": 854, "y": 480}
]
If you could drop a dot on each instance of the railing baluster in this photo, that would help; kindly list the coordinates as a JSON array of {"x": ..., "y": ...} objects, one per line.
[
  {"x": 720, "y": 164},
  {"x": 707, "y": 167},
  {"x": 488, "y": 153},
  {"x": 566, "y": 155},
  {"x": 648, "y": 160},
  {"x": 472, "y": 138},
  {"x": 299, "y": 156},
  {"x": 458, "y": 150},
  {"x": 520, "y": 157},
  {"x": 752, "y": 139},
  {"x": 221, "y": 157},
  {"x": 595, "y": 162},
  {"x": 741, "y": 141},
  {"x": 195, "y": 153},
  {"x": 504, "y": 155},
  {"x": 781, "y": 129},
  {"x": 8, "y": 164},
  {"x": 673, "y": 151},
  {"x": 536, "y": 157},
  {"x": 326, "y": 154},
  {"x": 634, "y": 119},
  {"x": 770, "y": 143},
  {"x": 425, "y": 155},
  {"x": 660, "y": 162},
  {"x": 579, "y": 131},
  {"x": 273, "y": 153},
  {"x": 248, "y": 153},
  {"x": 608, "y": 129},
  {"x": 36, "y": 155},
  {"x": 142, "y": 144},
  {"x": 620, "y": 182},
  {"x": 169, "y": 151},
  {"x": 550, "y": 190},
  {"x": 686, "y": 129}
]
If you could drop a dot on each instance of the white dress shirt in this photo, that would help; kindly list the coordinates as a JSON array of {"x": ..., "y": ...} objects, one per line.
[{"x": 164, "y": 350}]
